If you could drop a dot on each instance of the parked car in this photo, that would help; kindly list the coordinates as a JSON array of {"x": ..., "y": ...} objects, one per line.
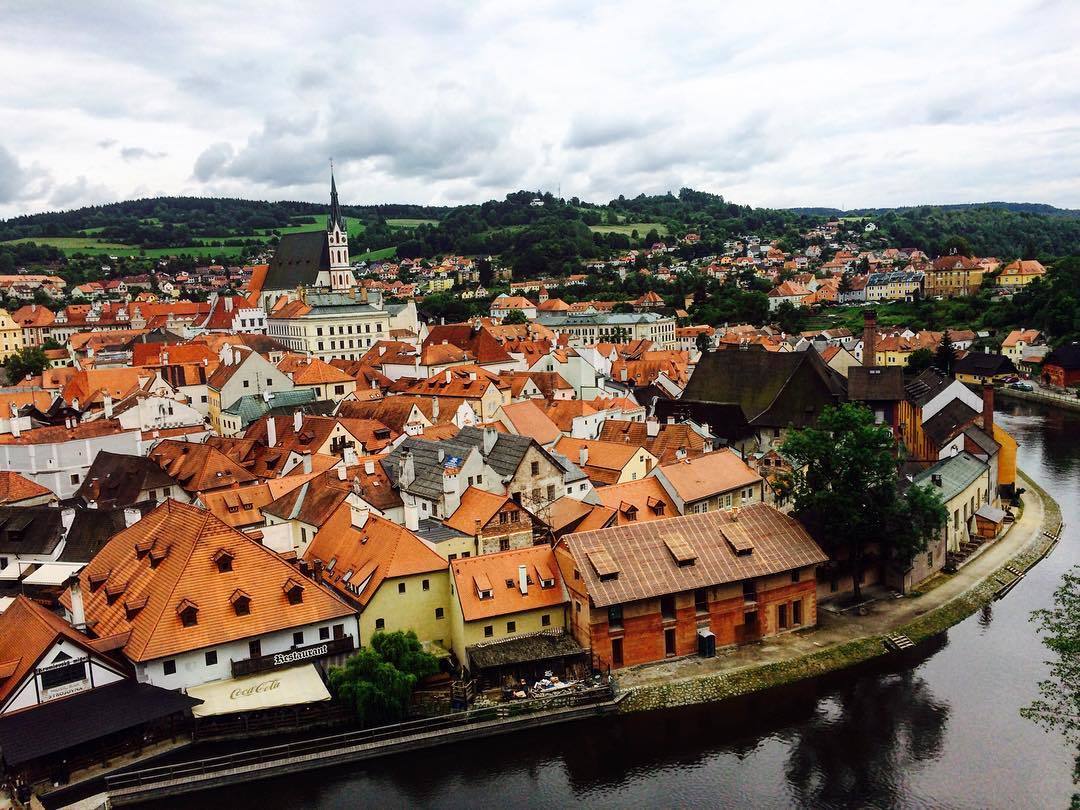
[
  {"x": 1012, "y": 378},
  {"x": 1022, "y": 386}
]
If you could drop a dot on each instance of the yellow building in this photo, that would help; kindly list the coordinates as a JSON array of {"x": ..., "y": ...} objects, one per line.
[
  {"x": 11, "y": 336},
  {"x": 1020, "y": 273},
  {"x": 607, "y": 462},
  {"x": 499, "y": 596},
  {"x": 963, "y": 482},
  {"x": 396, "y": 581}
]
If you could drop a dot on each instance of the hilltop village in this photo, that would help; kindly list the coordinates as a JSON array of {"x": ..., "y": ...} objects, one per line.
[{"x": 233, "y": 476}]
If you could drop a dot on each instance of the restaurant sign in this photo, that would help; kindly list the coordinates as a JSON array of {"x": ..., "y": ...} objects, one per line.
[{"x": 296, "y": 656}]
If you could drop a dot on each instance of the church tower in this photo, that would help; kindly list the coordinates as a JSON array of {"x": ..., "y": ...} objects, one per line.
[{"x": 337, "y": 235}]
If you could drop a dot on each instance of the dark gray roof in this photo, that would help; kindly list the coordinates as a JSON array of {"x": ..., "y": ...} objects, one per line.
[
  {"x": 116, "y": 479},
  {"x": 946, "y": 423},
  {"x": 298, "y": 259},
  {"x": 29, "y": 529},
  {"x": 571, "y": 471},
  {"x": 957, "y": 474},
  {"x": 982, "y": 440},
  {"x": 875, "y": 384},
  {"x": 435, "y": 531},
  {"x": 1067, "y": 356},
  {"x": 427, "y": 467},
  {"x": 984, "y": 365},
  {"x": 520, "y": 649},
  {"x": 93, "y": 528},
  {"x": 506, "y": 455},
  {"x": 927, "y": 386}
]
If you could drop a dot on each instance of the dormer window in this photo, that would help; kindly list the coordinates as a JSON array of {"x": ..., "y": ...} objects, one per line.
[
  {"x": 157, "y": 555},
  {"x": 294, "y": 591},
  {"x": 97, "y": 579},
  {"x": 241, "y": 602},
  {"x": 223, "y": 559},
  {"x": 188, "y": 612}
]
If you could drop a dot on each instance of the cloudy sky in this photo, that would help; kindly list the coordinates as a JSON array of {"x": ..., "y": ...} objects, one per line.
[{"x": 793, "y": 103}]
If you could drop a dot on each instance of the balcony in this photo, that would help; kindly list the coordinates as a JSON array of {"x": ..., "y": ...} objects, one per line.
[{"x": 294, "y": 655}]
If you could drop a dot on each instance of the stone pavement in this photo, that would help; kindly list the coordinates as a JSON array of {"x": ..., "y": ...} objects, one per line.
[{"x": 882, "y": 616}]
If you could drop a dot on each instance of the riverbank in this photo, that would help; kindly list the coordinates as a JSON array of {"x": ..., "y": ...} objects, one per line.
[
  {"x": 1066, "y": 401},
  {"x": 843, "y": 640}
]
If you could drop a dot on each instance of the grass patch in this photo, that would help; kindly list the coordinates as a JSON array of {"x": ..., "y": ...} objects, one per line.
[
  {"x": 70, "y": 243},
  {"x": 627, "y": 228},
  {"x": 376, "y": 255}
]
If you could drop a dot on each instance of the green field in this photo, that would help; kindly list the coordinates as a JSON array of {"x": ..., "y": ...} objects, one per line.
[
  {"x": 627, "y": 228},
  {"x": 375, "y": 255},
  {"x": 70, "y": 243},
  {"x": 410, "y": 223}
]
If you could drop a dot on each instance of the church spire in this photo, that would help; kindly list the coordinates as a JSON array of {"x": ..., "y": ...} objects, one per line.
[{"x": 335, "y": 208}]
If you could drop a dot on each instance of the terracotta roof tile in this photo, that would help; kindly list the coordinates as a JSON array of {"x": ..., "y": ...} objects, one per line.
[{"x": 471, "y": 575}]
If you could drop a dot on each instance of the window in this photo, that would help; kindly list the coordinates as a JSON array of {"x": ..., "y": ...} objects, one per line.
[
  {"x": 339, "y": 631},
  {"x": 339, "y": 389},
  {"x": 489, "y": 631},
  {"x": 211, "y": 658},
  {"x": 74, "y": 478},
  {"x": 701, "y": 600},
  {"x": 189, "y": 616},
  {"x": 247, "y": 383},
  {"x": 796, "y": 613},
  {"x": 298, "y": 638},
  {"x": 324, "y": 633},
  {"x": 795, "y": 575},
  {"x": 426, "y": 585},
  {"x": 535, "y": 468},
  {"x": 545, "y": 620},
  {"x": 401, "y": 587},
  {"x": 439, "y": 613},
  {"x": 504, "y": 544},
  {"x": 168, "y": 667},
  {"x": 615, "y": 616},
  {"x": 551, "y": 492},
  {"x": 667, "y": 607},
  {"x": 781, "y": 616},
  {"x": 380, "y": 624},
  {"x": 511, "y": 627},
  {"x": 255, "y": 649}
]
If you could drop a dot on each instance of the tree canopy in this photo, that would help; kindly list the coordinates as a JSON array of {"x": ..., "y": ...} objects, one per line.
[
  {"x": 378, "y": 680},
  {"x": 29, "y": 360},
  {"x": 846, "y": 493}
]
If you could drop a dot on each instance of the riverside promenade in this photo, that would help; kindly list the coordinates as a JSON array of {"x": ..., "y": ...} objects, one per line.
[{"x": 844, "y": 639}]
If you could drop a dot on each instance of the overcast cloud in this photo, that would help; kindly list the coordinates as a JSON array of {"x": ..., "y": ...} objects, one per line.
[{"x": 840, "y": 104}]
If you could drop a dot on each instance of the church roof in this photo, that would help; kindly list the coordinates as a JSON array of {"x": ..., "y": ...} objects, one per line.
[{"x": 298, "y": 259}]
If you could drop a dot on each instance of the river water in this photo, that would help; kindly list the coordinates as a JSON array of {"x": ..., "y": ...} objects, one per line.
[{"x": 939, "y": 727}]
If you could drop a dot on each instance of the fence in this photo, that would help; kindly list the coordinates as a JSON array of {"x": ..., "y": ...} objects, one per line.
[{"x": 277, "y": 755}]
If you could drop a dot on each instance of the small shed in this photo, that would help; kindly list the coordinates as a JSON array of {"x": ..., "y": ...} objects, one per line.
[{"x": 989, "y": 521}]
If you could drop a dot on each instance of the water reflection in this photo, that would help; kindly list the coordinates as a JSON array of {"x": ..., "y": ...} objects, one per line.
[
  {"x": 858, "y": 747},
  {"x": 986, "y": 616}
]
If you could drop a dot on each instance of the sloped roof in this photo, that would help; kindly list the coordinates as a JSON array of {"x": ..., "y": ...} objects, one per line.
[
  {"x": 198, "y": 467},
  {"x": 506, "y": 454},
  {"x": 243, "y": 506},
  {"x": 476, "y": 505},
  {"x": 183, "y": 541},
  {"x": 949, "y": 421},
  {"x": 116, "y": 479},
  {"x": 712, "y": 473},
  {"x": 528, "y": 419},
  {"x": 644, "y": 566},
  {"x": 1066, "y": 356},
  {"x": 980, "y": 363},
  {"x": 15, "y": 488},
  {"x": 364, "y": 557},
  {"x": 637, "y": 501},
  {"x": 495, "y": 570},
  {"x": 875, "y": 384},
  {"x": 297, "y": 260},
  {"x": 957, "y": 474},
  {"x": 667, "y": 442}
]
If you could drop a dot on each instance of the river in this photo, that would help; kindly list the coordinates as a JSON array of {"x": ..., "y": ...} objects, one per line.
[{"x": 939, "y": 727}]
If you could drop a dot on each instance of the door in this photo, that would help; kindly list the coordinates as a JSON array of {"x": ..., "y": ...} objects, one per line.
[
  {"x": 669, "y": 642},
  {"x": 616, "y": 652}
]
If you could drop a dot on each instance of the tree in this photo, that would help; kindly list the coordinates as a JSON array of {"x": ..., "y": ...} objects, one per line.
[
  {"x": 1058, "y": 705},
  {"x": 945, "y": 356},
  {"x": 515, "y": 316},
  {"x": 30, "y": 361},
  {"x": 623, "y": 307},
  {"x": 920, "y": 360},
  {"x": 790, "y": 318},
  {"x": 378, "y": 681},
  {"x": 703, "y": 342},
  {"x": 845, "y": 485},
  {"x": 956, "y": 246}
]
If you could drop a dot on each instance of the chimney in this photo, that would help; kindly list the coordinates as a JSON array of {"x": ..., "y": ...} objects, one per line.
[
  {"x": 369, "y": 467},
  {"x": 451, "y": 497},
  {"x": 449, "y": 376},
  {"x": 228, "y": 303},
  {"x": 316, "y": 570},
  {"x": 307, "y": 461},
  {"x": 78, "y": 612},
  {"x": 412, "y": 515},
  {"x": 434, "y": 407},
  {"x": 869, "y": 338},
  {"x": 341, "y": 472},
  {"x": 406, "y": 470},
  {"x": 67, "y": 517},
  {"x": 935, "y": 479},
  {"x": 523, "y": 579},
  {"x": 490, "y": 437},
  {"x": 360, "y": 515},
  {"x": 583, "y": 455},
  {"x": 164, "y": 358},
  {"x": 988, "y": 409},
  {"x": 652, "y": 427},
  {"x": 297, "y": 421},
  {"x": 734, "y": 514},
  {"x": 271, "y": 431},
  {"x": 623, "y": 374},
  {"x": 131, "y": 517},
  {"x": 350, "y": 457}
]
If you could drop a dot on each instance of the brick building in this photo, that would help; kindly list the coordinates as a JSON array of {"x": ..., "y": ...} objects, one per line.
[{"x": 643, "y": 593}]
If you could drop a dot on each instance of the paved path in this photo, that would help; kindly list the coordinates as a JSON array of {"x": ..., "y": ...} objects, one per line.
[{"x": 883, "y": 616}]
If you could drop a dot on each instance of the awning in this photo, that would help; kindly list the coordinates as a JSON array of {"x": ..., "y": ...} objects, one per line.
[
  {"x": 83, "y": 717},
  {"x": 264, "y": 690},
  {"x": 15, "y": 570},
  {"x": 53, "y": 573}
]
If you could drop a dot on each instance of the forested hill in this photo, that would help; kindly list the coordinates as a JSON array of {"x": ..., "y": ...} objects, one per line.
[{"x": 534, "y": 232}]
